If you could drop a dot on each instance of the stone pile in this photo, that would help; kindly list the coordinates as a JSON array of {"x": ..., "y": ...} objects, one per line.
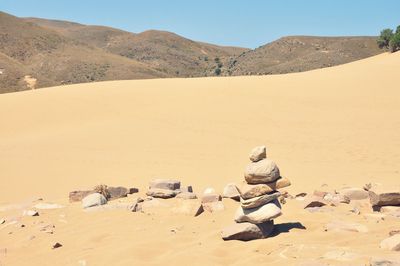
[{"x": 259, "y": 204}]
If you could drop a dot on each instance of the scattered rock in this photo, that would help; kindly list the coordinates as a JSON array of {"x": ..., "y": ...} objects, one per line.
[
  {"x": 95, "y": 199},
  {"x": 189, "y": 207},
  {"x": 231, "y": 192},
  {"x": 384, "y": 199},
  {"x": 214, "y": 206},
  {"x": 167, "y": 184},
  {"x": 258, "y": 215},
  {"x": 162, "y": 193},
  {"x": 354, "y": 193},
  {"x": 391, "y": 243},
  {"x": 187, "y": 195},
  {"x": 48, "y": 206},
  {"x": 56, "y": 245},
  {"x": 337, "y": 226},
  {"x": 264, "y": 171},
  {"x": 314, "y": 201},
  {"x": 258, "y": 201},
  {"x": 258, "y": 153},
  {"x": 247, "y": 231},
  {"x": 30, "y": 213},
  {"x": 250, "y": 191}
]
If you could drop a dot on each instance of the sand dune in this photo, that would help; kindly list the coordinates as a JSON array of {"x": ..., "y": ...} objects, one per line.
[{"x": 332, "y": 126}]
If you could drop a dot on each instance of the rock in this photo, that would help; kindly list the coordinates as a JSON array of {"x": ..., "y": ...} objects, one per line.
[
  {"x": 162, "y": 193},
  {"x": 391, "y": 243},
  {"x": 394, "y": 232},
  {"x": 189, "y": 207},
  {"x": 133, "y": 190},
  {"x": 135, "y": 205},
  {"x": 188, "y": 189},
  {"x": 247, "y": 231},
  {"x": 258, "y": 201},
  {"x": 209, "y": 190},
  {"x": 95, "y": 199},
  {"x": 337, "y": 226},
  {"x": 30, "y": 213},
  {"x": 56, "y": 245},
  {"x": 167, "y": 184},
  {"x": 319, "y": 193},
  {"x": 48, "y": 206},
  {"x": 384, "y": 199},
  {"x": 260, "y": 214},
  {"x": 250, "y": 191},
  {"x": 383, "y": 262},
  {"x": 231, "y": 192},
  {"x": 390, "y": 209},
  {"x": 301, "y": 195},
  {"x": 215, "y": 206},
  {"x": 187, "y": 195},
  {"x": 354, "y": 193},
  {"x": 258, "y": 153},
  {"x": 2, "y": 221},
  {"x": 117, "y": 192},
  {"x": 75, "y": 196},
  {"x": 336, "y": 198},
  {"x": 314, "y": 201},
  {"x": 207, "y": 198},
  {"x": 264, "y": 171}
]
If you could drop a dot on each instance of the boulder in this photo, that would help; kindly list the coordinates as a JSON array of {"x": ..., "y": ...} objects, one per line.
[
  {"x": 391, "y": 243},
  {"x": 260, "y": 214},
  {"x": 338, "y": 226},
  {"x": 188, "y": 207},
  {"x": 214, "y": 206},
  {"x": 264, "y": 171},
  {"x": 187, "y": 195},
  {"x": 231, "y": 192},
  {"x": 258, "y": 153},
  {"x": 167, "y": 184},
  {"x": 162, "y": 193},
  {"x": 247, "y": 231},
  {"x": 354, "y": 193},
  {"x": 384, "y": 199},
  {"x": 258, "y": 201},
  {"x": 250, "y": 191},
  {"x": 78, "y": 195},
  {"x": 95, "y": 199}
]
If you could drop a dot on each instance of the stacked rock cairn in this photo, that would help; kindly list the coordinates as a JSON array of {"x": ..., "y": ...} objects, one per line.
[{"x": 259, "y": 204}]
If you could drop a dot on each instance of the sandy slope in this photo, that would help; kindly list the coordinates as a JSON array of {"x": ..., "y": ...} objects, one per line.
[{"x": 336, "y": 126}]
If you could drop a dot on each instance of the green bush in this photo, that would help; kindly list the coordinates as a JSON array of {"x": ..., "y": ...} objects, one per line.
[
  {"x": 384, "y": 38},
  {"x": 394, "y": 42},
  {"x": 217, "y": 71}
]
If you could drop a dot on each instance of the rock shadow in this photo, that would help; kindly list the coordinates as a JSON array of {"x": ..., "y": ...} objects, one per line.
[{"x": 286, "y": 227}]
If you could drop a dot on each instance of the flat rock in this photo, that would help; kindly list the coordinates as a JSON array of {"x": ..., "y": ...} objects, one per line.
[
  {"x": 95, "y": 199},
  {"x": 384, "y": 199},
  {"x": 260, "y": 214},
  {"x": 168, "y": 184},
  {"x": 250, "y": 191},
  {"x": 340, "y": 226},
  {"x": 188, "y": 207},
  {"x": 247, "y": 231},
  {"x": 258, "y": 153},
  {"x": 231, "y": 192},
  {"x": 259, "y": 201},
  {"x": 314, "y": 201},
  {"x": 208, "y": 198},
  {"x": 187, "y": 195},
  {"x": 264, "y": 171},
  {"x": 354, "y": 193},
  {"x": 215, "y": 206},
  {"x": 391, "y": 243},
  {"x": 162, "y": 193},
  {"x": 48, "y": 206},
  {"x": 78, "y": 195},
  {"x": 117, "y": 192},
  {"x": 390, "y": 209}
]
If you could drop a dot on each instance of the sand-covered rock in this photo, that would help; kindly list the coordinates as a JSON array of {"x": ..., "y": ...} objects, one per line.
[
  {"x": 340, "y": 226},
  {"x": 210, "y": 197},
  {"x": 259, "y": 201},
  {"x": 354, "y": 193},
  {"x": 247, "y": 231},
  {"x": 168, "y": 184},
  {"x": 258, "y": 153},
  {"x": 391, "y": 243},
  {"x": 248, "y": 191},
  {"x": 162, "y": 193},
  {"x": 231, "y": 192},
  {"x": 188, "y": 207},
  {"x": 260, "y": 214},
  {"x": 95, "y": 199},
  {"x": 214, "y": 206},
  {"x": 186, "y": 195},
  {"x": 264, "y": 171}
]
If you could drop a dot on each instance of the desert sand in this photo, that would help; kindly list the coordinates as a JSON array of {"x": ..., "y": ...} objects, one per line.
[{"x": 330, "y": 127}]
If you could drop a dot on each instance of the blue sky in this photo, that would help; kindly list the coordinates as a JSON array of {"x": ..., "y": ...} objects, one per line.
[{"x": 247, "y": 23}]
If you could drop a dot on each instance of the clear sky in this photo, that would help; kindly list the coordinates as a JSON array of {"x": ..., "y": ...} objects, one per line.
[{"x": 247, "y": 23}]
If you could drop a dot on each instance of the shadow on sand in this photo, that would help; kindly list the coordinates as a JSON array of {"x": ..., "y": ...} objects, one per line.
[{"x": 286, "y": 227}]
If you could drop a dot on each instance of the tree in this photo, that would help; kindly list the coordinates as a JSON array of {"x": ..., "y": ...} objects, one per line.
[
  {"x": 384, "y": 38},
  {"x": 394, "y": 42},
  {"x": 217, "y": 71},
  {"x": 398, "y": 29}
]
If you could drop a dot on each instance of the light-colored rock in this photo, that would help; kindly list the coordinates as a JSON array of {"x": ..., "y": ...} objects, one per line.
[
  {"x": 188, "y": 207},
  {"x": 48, "y": 206},
  {"x": 209, "y": 190},
  {"x": 30, "y": 213},
  {"x": 260, "y": 214},
  {"x": 247, "y": 231},
  {"x": 264, "y": 171},
  {"x": 340, "y": 226},
  {"x": 354, "y": 193},
  {"x": 135, "y": 205},
  {"x": 384, "y": 199},
  {"x": 391, "y": 243},
  {"x": 167, "y": 184},
  {"x": 207, "y": 198},
  {"x": 250, "y": 191},
  {"x": 162, "y": 193},
  {"x": 258, "y": 153},
  {"x": 258, "y": 201},
  {"x": 231, "y": 192},
  {"x": 95, "y": 199},
  {"x": 186, "y": 189},
  {"x": 187, "y": 195},
  {"x": 214, "y": 206},
  {"x": 389, "y": 209},
  {"x": 2, "y": 221}
]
